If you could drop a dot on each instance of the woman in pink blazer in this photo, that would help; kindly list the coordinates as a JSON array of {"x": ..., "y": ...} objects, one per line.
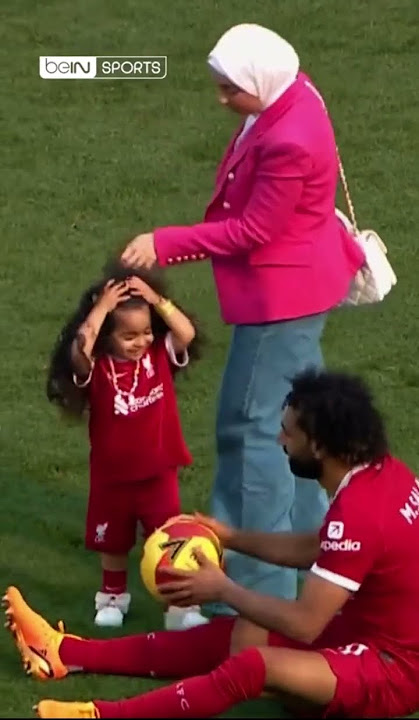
[{"x": 281, "y": 262}]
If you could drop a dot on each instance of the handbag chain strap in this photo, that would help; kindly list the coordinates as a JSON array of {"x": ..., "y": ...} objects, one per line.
[{"x": 348, "y": 199}]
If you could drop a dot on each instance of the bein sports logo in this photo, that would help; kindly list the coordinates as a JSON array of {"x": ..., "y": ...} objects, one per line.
[
  {"x": 102, "y": 67},
  {"x": 335, "y": 531},
  {"x": 67, "y": 68}
]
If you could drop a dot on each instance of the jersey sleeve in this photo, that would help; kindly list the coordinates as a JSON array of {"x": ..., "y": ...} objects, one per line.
[
  {"x": 178, "y": 360},
  {"x": 350, "y": 539}
]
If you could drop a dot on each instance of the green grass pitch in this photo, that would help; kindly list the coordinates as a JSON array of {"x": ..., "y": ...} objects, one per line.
[{"x": 85, "y": 166}]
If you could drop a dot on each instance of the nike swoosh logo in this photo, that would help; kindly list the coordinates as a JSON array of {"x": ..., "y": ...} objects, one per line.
[{"x": 45, "y": 666}]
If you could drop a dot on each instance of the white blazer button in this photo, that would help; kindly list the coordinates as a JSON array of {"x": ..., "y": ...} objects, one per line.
[
  {"x": 186, "y": 257},
  {"x": 193, "y": 257},
  {"x": 178, "y": 259},
  {"x": 226, "y": 205},
  {"x": 230, "y": 176},
  {"x": 170, "y": 261}
]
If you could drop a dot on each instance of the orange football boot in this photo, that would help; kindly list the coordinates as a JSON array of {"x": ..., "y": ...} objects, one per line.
[
  {"x": 38, "y": 643},
  {"x": 56, "y": 709}
]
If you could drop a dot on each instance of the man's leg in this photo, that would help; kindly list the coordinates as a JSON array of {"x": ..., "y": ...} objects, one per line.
[
  {"x": 300, "y": 673},
  {"x": 341, "y": 681},
  {"x": 349, "y": 681},
  {"x": 50, "y": 654},
  {"x": 302, "y": 679}
]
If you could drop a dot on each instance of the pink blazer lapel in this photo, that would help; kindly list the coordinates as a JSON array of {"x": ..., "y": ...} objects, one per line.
[
  {"x": 233, "y": 155},
  {"x": 227, "y": 153}
]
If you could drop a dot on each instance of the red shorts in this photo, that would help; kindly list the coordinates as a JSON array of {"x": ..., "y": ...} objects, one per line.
[
  {"x": 115, "y": 511},
  {"x": 370, "y": 684}
]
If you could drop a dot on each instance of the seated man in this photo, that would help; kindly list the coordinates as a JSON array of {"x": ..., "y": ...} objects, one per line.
[{"x": 348, "y": 646}]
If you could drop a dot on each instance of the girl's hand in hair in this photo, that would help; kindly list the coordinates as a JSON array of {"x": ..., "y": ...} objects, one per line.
[
  {"x": 139, "y": 287},
  {"x": 113, "y": 294}
]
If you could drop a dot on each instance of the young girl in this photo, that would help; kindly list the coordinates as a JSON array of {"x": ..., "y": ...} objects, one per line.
[{"x": 117, "y": 356}]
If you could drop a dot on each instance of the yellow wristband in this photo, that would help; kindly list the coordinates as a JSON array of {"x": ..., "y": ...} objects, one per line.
[{"x": 165, "y": 308}]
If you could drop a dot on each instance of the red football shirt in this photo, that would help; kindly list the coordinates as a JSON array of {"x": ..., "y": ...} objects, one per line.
[
  {"x": 137, "y": 437},
  {"x": 370, "y": 546}
]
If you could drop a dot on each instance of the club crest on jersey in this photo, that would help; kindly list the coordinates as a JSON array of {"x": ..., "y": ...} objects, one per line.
[
  {"x": 148, "y": 366},
  {"x": 335, "y": 530},
  {"x": 101, "y": 529}
]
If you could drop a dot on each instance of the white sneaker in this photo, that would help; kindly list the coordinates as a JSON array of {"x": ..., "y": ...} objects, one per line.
[
  {"x": 176, "y": 618},
  {"x": 111, "y": 608},
  {"x": 109, "y": 616}
]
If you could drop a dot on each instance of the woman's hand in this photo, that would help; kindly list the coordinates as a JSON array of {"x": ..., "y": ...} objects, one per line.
[
  {"x": 140, "y": 252},
  {"x": 196, "y": 587}
]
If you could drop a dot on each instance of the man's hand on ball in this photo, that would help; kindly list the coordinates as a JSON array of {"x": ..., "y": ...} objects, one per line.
[
  {"x": 194, "y": 588},
  {"x": 140, "y": 252},
  {"x": 224, "y": 532}
]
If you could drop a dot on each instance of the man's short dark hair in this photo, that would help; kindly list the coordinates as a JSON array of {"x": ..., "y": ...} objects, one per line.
[{"x": 336, "y": 410}]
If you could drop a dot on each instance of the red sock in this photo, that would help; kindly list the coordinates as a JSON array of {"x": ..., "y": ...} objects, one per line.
[
  {"x": 239, "y": 678},
  {"x": 176, "y": 654},
  {"x": 114, "y": 581}
]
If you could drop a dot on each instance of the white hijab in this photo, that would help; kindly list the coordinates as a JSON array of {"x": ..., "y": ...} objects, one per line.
[{"x": 257, "y": 60}]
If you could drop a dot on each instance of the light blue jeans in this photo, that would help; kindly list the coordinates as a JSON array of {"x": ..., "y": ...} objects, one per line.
[{"x": 254, "y": 488}]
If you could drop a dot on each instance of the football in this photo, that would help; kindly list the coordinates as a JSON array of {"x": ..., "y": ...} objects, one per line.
[{"x": 172, "y": 546}]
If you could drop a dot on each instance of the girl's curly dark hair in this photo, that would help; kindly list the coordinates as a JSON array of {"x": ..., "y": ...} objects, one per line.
[{"x": 60, "y": 388}]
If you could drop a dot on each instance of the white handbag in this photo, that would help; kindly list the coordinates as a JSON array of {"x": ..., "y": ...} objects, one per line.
[{"x": 376, "y": 277}]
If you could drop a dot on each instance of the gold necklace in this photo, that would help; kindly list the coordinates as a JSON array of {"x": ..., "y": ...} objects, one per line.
[{"x": 122, "y": 405}]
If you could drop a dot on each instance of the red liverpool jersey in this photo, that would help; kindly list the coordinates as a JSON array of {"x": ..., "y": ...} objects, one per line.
[
  {"x": 135, "y": 431},
  {"x": 370, "y": 545}
]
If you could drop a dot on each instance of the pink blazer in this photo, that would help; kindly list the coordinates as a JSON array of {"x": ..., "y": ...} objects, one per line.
[{"x": 277, "y": 250}]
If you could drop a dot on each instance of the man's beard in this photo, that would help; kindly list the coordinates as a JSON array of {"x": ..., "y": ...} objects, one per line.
[{"x": 310, "y": 469}]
